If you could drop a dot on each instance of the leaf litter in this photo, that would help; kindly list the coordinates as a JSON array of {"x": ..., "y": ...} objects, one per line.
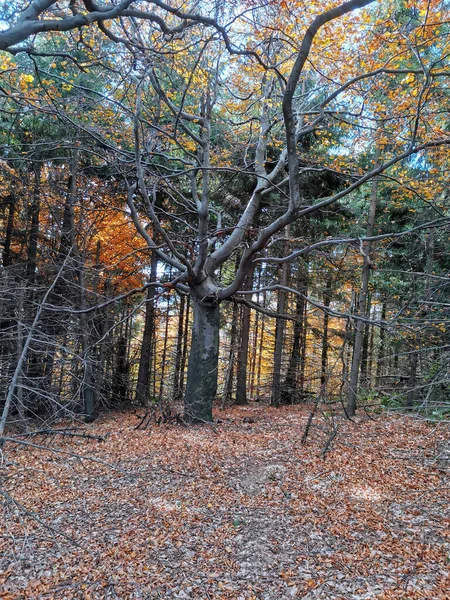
[{"x": 242, "y": 511}]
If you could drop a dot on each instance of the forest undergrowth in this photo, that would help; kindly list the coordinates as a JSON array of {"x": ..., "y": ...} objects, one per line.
[{"x": 237, "y": 510}]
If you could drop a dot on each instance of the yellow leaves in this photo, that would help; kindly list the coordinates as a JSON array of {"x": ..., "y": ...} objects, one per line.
[
  {"x": 25, "y": 80},
  {"x": 409, "y": 78}
]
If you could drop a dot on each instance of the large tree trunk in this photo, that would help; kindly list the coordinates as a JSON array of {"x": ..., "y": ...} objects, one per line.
[{"x": 201, "y": 385}]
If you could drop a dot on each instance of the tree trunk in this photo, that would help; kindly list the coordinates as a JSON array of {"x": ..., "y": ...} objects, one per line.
[
  {"x": 147, "y": 338},
  {"x": 359, "y": 335},
  {"x": 228, "y": 387},
  {"x": 6, "y": 258},
  {"x": 201, "y": 385},
  {"x": 185, "y": 345},
  {"x": 34, "y": 224},
  {"x": 365, "y": 348},
  {"x": 381, "y": 350},
  {"x": 241, "y": 388},
  {"x": 255, "y": 337},
  {"x": 324, "y": 357},
  {"x": 260, "y": 350},
  {"x": 164, "y": 353},
  {"x": 290, "y": 383},
  {"x": 279, "y": 331},
  {"x": 177, "y": 394},
  {"x": 301, "y": 380},
  {"x": 412, "y": 380}
]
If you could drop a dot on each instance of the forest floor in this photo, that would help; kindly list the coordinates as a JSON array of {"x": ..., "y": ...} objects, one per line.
[{"x": 238, "y": 511}]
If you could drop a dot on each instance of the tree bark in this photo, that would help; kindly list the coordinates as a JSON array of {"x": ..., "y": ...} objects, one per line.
[
  {"x": 359, "y": 334},
  {"x": 6, "y": 257},
  {"x": 324, "y": 357},
  {"x": 279, "y": 332},
  {"x": 365, "y": 348},
  {"x": 241, "y": 388},
  {"x": 164, "y": 352},
  {"x": 34, "y": 224},
  {"x": 201, "y": 385},
  {"x": 177, "y": 394},
  {"x": 185, "y": 345},
  {"x": 412, "y": 380},
  {"x": 147, "y": 338},
  {"x": 381, "y": 349},
  {"x": 229, "y": 378},
  {"x": 290, "y": 383}
]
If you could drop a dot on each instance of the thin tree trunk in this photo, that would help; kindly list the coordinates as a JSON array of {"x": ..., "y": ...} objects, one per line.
[
  {"x": 369, "y": 381},
  {"x": 290, "y": 383},
  {"x": 164, "y": 352},
  {"x": 34, "y": 224},
  {"x": 381, "y": 350},
  {"x": 365, "y": 347},
  {"x": 253, "y": 355},
  {"x": 261, "y": 349},
  {"x": 177, "y": 395},
  {"x": 359, "y": 334},
  {"x": 279, "y": 331},
  {"x": 303, "y": 354},
  {"x": 147, "y": 338},
  {"x": 241, "y": 388},
  {"x": 412, "y": 381},
  {"x": 326, "y": 319},
  {"x": 185, "y": 345},
  {"x": 229, "y": 377},
  {"x": 6, "y": 257}
]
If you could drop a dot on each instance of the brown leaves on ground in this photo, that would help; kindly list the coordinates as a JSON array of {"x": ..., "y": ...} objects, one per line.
[{"x": 240, "y": 511}]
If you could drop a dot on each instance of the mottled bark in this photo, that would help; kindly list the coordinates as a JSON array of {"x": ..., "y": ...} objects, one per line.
[{"x": 201, "y": 384}]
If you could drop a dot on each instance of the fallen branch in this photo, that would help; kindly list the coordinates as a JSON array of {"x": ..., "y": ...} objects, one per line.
[
  {"x": 329, "y": 442},
  {"x": 309, "y": 422},
  {"x": 35, "y": 517},
  {"x": 69, "y": 431}
]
